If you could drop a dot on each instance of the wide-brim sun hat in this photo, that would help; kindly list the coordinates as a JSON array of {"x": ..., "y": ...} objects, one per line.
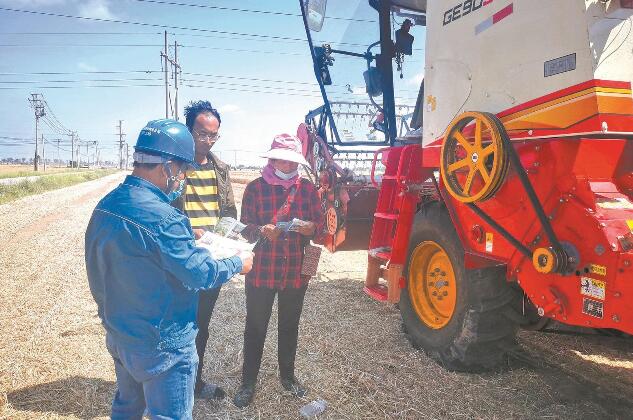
[{"x": 286, "y": 147}]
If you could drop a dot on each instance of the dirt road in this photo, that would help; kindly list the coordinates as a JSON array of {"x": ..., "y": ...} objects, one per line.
[{"x": 352, "y": 353}]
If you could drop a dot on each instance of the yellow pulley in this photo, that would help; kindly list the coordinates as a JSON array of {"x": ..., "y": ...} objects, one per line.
[{"x": 474, "y": 156}]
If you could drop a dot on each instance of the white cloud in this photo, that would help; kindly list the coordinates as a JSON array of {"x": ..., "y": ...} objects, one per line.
[
  {"x": 229, "y": 108},
  {"x": 86, "y": 67},
  {"x": 99, "y": 9}
]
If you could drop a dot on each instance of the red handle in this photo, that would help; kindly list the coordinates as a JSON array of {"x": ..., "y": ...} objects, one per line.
[{"x": 373, "y": 165}]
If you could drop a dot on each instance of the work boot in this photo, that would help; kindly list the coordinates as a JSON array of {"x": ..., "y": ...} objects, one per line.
[
  {"x": 209, "y": 392},
  {"x": 292, "y": 384},
  {"x": 244, "y": 395}
]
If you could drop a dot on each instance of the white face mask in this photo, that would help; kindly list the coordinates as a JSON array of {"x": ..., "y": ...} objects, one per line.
[{"x": 286, "y": 176}]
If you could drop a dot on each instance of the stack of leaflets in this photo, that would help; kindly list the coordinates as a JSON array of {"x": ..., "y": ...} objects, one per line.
[{"x": 225, "y": 241}]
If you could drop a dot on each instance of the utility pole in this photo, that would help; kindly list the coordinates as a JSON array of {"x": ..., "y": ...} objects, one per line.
[
  {"x": 127, "y": 155},
  {"x": 72, "y": 149},
  {"x": 43, "y": 154},
  {"x": 121, "y": 135},
  {"x": 175, "y": 68},
  {"x": 59, "y": 162},
  {"x": 88, "y": 144},
  {"x": 78, "y": 153},
  {"x": 37, "y": 104},
  {"x": 164, "y": 55}
]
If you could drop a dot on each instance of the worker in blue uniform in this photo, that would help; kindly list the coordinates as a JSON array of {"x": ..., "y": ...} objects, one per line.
[{"x": 145, "y": 270}]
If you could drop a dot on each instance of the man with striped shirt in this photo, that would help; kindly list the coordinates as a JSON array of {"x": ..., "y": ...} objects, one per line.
[{"x": 208, "y": 196}]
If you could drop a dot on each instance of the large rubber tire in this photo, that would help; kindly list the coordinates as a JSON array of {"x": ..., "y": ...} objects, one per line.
[{"x": 482, "y": 328}]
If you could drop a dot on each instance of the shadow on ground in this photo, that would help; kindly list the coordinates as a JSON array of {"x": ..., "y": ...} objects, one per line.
[{"x": 81, "y": 397}]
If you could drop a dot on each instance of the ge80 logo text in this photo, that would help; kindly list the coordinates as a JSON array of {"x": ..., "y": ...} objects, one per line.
[{"x": 463, "y": 9}]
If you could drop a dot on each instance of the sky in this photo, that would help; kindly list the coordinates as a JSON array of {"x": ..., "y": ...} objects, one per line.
[{"x": 255, "y": 68}]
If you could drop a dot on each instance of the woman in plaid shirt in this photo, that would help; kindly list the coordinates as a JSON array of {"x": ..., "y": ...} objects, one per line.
[{"x": 279, "y": 195}]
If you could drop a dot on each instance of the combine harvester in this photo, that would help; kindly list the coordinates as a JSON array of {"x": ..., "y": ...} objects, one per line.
[{"x": 498, "y": 195}]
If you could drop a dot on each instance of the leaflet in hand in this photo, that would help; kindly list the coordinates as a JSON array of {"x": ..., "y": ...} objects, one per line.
[
  {"x": 229, "y": 227},
  {"x": 225, "y": 241},
  {"x": 222, "y": 247},
  {"x": 291, "y": 226}
]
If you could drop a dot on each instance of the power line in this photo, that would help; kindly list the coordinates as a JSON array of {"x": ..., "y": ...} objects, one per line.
[
  {"x": 280, "y": 92},
  {"x": 81, "y": 33},
  {"x": 203, "y": 47},
  {"x": 78, "y": 81},
  {"x": 153, "y": 25},
  {"x": 53, "y": 73},
  {"x": 214, "y": 76},
  {"x": 83, "y": 87},
  {"x": 232, "y": 9},
  {"x": 287, "y": 41}
]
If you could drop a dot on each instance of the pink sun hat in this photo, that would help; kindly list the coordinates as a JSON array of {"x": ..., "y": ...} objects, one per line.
[{"x": 286, "y": 147}]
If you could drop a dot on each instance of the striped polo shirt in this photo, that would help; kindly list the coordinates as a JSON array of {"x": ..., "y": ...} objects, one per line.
[{"x": 201, "y": 200}]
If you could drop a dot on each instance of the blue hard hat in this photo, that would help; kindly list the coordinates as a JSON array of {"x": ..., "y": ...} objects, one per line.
[{"x": 169, "y": 139}]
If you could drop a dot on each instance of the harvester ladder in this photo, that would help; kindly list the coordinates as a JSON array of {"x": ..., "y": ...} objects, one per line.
[{"x": 397, "y": 204}]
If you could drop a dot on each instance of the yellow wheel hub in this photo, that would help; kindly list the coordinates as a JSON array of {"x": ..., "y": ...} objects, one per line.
[
  {"x": 474, "y": 157},
  {"x": 432, "y": 286}
]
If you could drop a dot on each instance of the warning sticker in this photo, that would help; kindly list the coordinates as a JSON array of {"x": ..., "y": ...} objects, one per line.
[
  {"x": 616, "y": 203},
  {"x": 600, "y": 270},
  {"x": 593, "y": 308},
  {"x": 592, "y": 287},
  {"x": 489, "y": 239},
  {"x": 629, "y": 223}
]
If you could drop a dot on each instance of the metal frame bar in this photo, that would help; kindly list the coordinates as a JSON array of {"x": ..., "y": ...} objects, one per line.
[{"x": 390, "y": 138}]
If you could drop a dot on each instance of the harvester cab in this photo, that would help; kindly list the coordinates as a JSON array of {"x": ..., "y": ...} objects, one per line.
[
  {"x": 499, "y": 191},
  {"x": 366, "y": 110}
]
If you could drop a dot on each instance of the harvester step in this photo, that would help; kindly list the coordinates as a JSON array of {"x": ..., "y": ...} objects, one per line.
[
  {"x": 383, "y": 253},
  {"x": 377, "y": 292},
  {"x": 390, "y": 216}
]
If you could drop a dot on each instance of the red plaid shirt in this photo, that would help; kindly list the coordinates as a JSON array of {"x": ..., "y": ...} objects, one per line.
[{"x": 277, "y": 263}]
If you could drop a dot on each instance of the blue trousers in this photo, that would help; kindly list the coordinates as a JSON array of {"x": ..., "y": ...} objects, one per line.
[{"x": 157, "y": 383}]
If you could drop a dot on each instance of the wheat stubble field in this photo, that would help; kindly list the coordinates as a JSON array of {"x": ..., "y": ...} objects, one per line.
[{"x": 352, "y": 352}]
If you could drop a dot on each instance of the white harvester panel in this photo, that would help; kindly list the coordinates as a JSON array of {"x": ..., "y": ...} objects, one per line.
[{"x": 493, "y": 55}]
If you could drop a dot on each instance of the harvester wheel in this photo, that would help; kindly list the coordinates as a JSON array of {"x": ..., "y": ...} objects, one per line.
[
  {"x": 458, "y": 317},
  {"x": 474, "y": 157}
]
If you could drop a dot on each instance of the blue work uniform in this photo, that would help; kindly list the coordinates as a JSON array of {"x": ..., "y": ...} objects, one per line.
[{"x": 144, "y": 271}]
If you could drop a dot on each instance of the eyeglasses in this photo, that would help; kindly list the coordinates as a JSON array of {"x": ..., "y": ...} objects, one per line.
[{"x": 209, "y": 137}]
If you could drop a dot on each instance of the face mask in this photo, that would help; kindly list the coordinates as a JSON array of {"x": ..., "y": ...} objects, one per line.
[
  {"x": 177, "y": 193},
  {"x": 286, "y": 176},
  {"x": 171, "y": 180}
]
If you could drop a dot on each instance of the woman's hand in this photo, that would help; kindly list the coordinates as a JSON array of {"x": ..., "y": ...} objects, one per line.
[{"x": 270, "y": 232}]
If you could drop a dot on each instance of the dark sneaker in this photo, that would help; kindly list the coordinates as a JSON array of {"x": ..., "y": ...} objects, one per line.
[
  {"x": 244, "y": 395},
  {"x": 293, "y": 385},
  {"x": 209, "y": 392}
]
